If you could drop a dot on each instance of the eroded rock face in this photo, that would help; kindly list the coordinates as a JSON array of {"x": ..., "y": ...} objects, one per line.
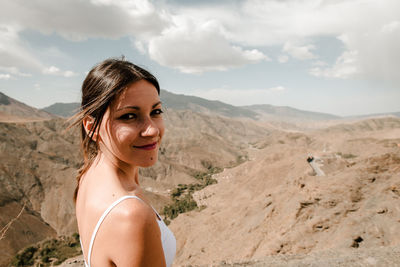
[
  {"x": 25, "y": 227},
  {"x": 38, "y": 163}
]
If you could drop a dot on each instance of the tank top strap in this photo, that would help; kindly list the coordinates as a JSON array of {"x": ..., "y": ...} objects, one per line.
[{"x": 103, "y": 216}]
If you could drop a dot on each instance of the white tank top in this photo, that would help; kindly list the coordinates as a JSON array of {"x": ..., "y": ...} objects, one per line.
[{"x": 167, "y": 237}]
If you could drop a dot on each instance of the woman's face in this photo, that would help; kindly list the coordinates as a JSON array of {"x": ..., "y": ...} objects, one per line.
[{"x": 132, "y": 127}]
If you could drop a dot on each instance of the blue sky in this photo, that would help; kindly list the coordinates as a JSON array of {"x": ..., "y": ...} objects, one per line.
[{"x": 333, "y": 56}]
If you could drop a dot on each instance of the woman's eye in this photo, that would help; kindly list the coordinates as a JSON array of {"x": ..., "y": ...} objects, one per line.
[
  {"x": 128, "y": 116},
  {"x": 157, "y": 112}
]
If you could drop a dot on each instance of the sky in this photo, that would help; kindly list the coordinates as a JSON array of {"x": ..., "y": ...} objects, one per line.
[{"x": 334, "y": 56}]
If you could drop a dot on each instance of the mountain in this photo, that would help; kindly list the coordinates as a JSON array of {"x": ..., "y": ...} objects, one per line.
[
  {"x": 63, "y": 109},
  {"x": 39, "y": 160},
  {"x": 364, "y": 125},
  {"x": 274, "y": 204},
  {"x": 283, "y": 117},
  {"x": 267, "y": 200},
  {"x": 376, "y": 115},
  {"x": 171, "y": 101},
  {"x": 13, "y": 110},
  {"x": 201, "y": 105},
  {"x": 284, "y": 113}
]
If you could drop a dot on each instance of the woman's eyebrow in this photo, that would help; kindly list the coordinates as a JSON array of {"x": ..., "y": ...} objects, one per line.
[{"x": 138, "y": 108}]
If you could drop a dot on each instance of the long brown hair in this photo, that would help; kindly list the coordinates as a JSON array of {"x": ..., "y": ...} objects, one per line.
[{"x": 101, "y": 86}]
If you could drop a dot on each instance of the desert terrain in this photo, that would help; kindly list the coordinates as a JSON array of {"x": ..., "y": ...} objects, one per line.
[
  {"x": 268, "y": 207},
  {"x": 275, "y": 204},
  {"x": 39, "y": 160}
]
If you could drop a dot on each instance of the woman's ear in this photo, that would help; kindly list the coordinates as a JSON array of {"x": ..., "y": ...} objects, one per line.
[{"x": 88, "y": 124}]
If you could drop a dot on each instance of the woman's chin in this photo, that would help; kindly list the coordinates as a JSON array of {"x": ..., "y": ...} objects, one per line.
[{"x": 148, "y": 163}]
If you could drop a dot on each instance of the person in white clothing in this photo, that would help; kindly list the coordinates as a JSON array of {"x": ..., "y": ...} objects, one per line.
[{"x": 121, "y": 130}]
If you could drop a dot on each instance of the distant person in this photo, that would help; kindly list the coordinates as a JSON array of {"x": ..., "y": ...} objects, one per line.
[{"x": 121, "y": 130}]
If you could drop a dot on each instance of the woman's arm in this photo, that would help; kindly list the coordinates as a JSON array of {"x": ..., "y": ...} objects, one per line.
[{"x": 135, "y": 238}]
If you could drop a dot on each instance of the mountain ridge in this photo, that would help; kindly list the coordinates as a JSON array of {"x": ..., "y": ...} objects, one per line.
[
  {"x": 289, "y": 112},
  {"x": 257, "y": 112},
  {"x": 201, "y": 105},
  {"x": 14, "y": 110}
]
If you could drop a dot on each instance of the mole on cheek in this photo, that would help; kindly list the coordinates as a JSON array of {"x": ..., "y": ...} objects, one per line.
[{"x": 151, "y": 158}]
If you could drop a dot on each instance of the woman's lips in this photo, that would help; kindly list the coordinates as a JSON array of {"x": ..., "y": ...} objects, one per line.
[{"x": 147, "y": 147}]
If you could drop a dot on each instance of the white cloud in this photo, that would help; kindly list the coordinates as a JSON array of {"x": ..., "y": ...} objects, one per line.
[
  {"x": 79, "y": 20},
  {"x": 391, "y": 27},
  {"x": 74, "y": 20},
  {"x": 53, "y": 70},
  {"x": 370, "y": 26},
  {"x": 319, "y": 63},
  {"x": 372, "y": 55},
  {"x": 15, "y": 71},
  {"x": 345, "y": 67},
  {"x": 69, "y": 73},
  {"x": 218, "y": 37},
  {"x": 140, "y": 47},
  {"x": 13, "y": 54},
  {"x": 135, "y": 8},
  {"x": 5, "y": 76},
  {"x": 195, "y": 46},
  {"x": 283, "y": 58},
  {"x": 301, "y": 52}
]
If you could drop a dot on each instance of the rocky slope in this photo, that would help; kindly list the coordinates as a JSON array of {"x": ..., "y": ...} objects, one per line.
[
  {"x": 38, "y": 162},
  {"x": 36, "y": 170},
  {"x": 380, "y": 256},
  {"x": 12, "y": 110},
  {"x": 274, "y": 211},
  {"x": 273, "y": 204}
]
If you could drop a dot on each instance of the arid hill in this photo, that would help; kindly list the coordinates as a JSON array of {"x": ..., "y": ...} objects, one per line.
[
  {"x": 268, "y": 204},
  {"x": 274, "y": 204},
  {"x": 288, "y": 114},
  {"x": 273, "y": 211},
  {"x": 36, "y": 171},
  {"x": 39, "y": 161},
  {"x": 12, "y": 110},
  {"x": 63, "y": 109}
]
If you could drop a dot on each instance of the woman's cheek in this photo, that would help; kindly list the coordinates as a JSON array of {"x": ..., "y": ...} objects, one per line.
[{"x": 124, "y": 135}]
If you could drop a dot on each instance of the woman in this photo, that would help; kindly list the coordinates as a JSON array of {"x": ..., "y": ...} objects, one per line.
[{"x": 121, "y": 127}]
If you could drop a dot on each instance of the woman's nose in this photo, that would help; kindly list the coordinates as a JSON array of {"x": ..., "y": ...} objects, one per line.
[{"x": 150, "y": 129}]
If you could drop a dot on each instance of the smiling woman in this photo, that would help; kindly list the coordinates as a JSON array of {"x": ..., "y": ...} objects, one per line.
[{"x": 122, "y": 128}]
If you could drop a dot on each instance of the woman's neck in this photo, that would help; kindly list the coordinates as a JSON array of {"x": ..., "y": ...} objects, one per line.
[{"x": 127, "y": 174}]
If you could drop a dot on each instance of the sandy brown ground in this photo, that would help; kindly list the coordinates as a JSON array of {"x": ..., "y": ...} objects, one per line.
[
  {"x": 274, "y": 211},
  {"x": 274, "y": 204},
  {"x": 382, "y": 256},
  {"x": 270, "y": 205},
  {"x": 39, "y": 160}
]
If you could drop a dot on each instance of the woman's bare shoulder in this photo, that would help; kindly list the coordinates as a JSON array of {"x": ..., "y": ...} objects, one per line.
[
  {"x": 133, "y": 212},
  {"x": 133, "y": 235}
]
